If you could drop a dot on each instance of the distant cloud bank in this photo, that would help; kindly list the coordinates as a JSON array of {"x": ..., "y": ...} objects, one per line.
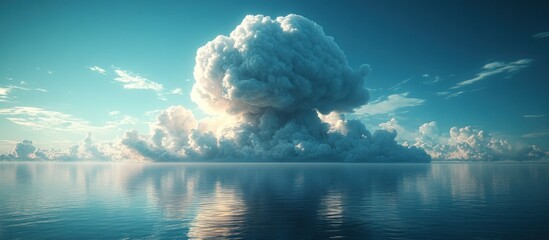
[{"x": 465, "y": 143}]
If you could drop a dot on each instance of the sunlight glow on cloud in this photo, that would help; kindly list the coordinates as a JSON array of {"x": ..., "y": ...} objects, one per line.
[
  {"x": 390, "y": 105},
  {"x": 496, "y": 68},
  {"x": 271, "y": 95}
]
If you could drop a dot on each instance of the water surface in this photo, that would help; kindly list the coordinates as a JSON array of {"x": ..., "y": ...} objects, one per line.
[{"x": 274, "y": 201}]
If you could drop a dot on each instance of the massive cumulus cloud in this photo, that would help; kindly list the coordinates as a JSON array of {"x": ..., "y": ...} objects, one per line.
[{"x": 275, "y": 90}]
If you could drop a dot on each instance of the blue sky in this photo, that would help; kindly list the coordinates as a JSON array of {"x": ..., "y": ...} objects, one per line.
[{"x": 106, "y": 67}]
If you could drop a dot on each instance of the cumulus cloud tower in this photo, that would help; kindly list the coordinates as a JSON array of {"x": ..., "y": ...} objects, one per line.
[
  {"x": 285, "y": 64},
  {"x": 276, "y": 89}
]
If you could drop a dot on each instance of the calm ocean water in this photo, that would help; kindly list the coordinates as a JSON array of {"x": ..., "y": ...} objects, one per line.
[{"x": 274, "y": 201}]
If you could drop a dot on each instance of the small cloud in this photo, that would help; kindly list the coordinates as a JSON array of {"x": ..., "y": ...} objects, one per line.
[
  {"x": 448, "y": 94},
  {"x": 4, "y": 94},
  {"x": 177, "y": 91},
  {"x": 536, "y": 134},
  {"x": 400, "y": 84},
  {"x": 98, "y": 69},
  {"x": 541, "y": 35},
  {"x": 432, "y": 80},
  {"x": 495, "y": 68},
  {"x": 390, "y": 105},
  {"x": 23, "y": 83},
  {"x": 113, "y": 113},
  {"x": 50, "y": 72},
  {"x": 131, "y": 80},
  {"x": 425, "y": 75},
  {"x": 533, "y": 116}
]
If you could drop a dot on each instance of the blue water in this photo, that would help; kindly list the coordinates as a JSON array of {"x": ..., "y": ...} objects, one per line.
[{"x": 274, "y": 201}]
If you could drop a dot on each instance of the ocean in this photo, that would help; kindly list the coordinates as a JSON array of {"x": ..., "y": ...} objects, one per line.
[{"x": 49, "y": 200}]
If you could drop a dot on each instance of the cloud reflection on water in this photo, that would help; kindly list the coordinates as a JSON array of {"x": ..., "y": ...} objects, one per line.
[{"x": 261, "y": 200}]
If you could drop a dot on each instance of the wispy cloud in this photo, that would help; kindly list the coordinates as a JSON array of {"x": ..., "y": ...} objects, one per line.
[
  {"x": 495, "y": 68},
  {"x": 98, "y": 69},
  {"x": 131, "y": 80},
  {"x": 389, "y": 105},
  {"x": 536, "y": 134},
  {"x": 448, "y": 94},
  {"x": 39, "y": 118},
  {"x": 541, "y": 35},
  {"x": 177, "y": 91},
  {"x": 400, "y": 84},
  {"x": 533, "y": 115},
  {"x": 6, "y": 93}
]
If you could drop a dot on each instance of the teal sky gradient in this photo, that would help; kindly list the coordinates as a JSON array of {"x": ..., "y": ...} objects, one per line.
[{"x": 419, "y": 53}]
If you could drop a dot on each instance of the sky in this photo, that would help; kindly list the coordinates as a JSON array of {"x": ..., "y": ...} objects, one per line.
[{"x": 462, "y": 75}]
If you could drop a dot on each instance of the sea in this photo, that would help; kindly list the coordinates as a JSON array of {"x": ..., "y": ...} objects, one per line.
[{"x": 476, "y": 200}]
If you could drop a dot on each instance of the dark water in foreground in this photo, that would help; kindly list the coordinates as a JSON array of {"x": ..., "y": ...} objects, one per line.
[{"x": 274, "y": 201}]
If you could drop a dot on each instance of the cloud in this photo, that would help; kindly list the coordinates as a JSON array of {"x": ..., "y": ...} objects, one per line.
[
  {"x": 541, "y": 35},
  {"x": 177, "y": 91},
  {"x": 495, "y": 68},
  {"x": 468, "y": 143},
  {"x": 6, "y": 92},
  {"x": 134, "y": 81},
  {"x": 131, "y": 80},
  {"x": 42, "y": 119},
  {"x": 273, "y": 97},
  {"x": 536, "y": 134},
  {"x": 393, "y": 126},
  {"x": 114, "y": 113},
  {"x": 86, "y": 150},
  {"x": 448, "y": 94},
  {"x": 533, "y": 115},
  {"x": 39, "y": 118},
  {"x": 98, "y": 70},
  {"x": 389, "y": 105}
]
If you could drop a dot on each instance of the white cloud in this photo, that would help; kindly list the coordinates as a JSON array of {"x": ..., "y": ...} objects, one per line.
[
  {"x": 113, "y": 113},
  {"x": 389, "y": 105},
  {"x": 465, "y": 143},
  {"x": 541, "y": 35},
  {"x": 402, "y": 133},
  {"x": 495, "y": 68},
  {"x": 177, "y": 91},
  {"x": 131, "y": 80},
  {"x": 98, "y": 69},
  {"x": 6, "y": 92}
]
